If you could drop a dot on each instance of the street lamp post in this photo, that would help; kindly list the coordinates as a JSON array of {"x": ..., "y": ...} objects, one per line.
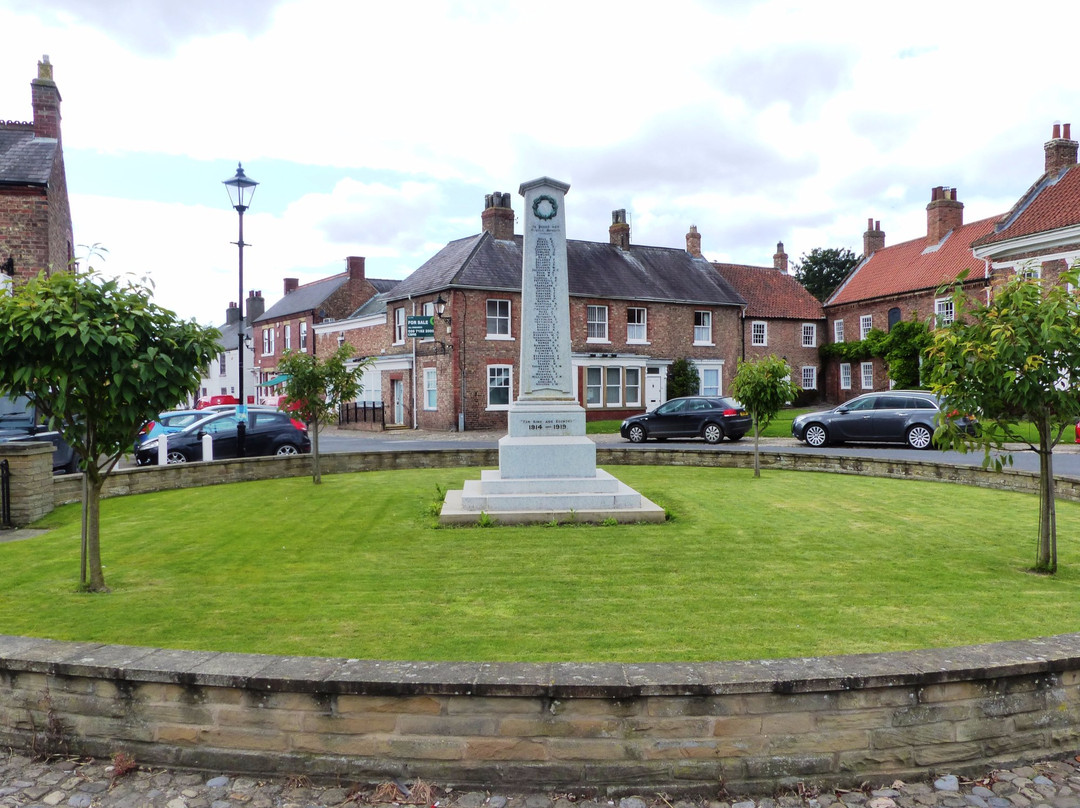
[{"x": 241, "y": 189}]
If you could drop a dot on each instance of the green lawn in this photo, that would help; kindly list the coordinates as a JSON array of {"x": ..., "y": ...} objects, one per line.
[{"x": 792, "y": 564}]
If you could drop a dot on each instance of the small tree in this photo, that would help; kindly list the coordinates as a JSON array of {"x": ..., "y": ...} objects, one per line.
[
  {"x": 823, "y": 269},
  {"x": 1013, "y": 360},
  {"x": 682, "y": 379},
  {"x": 763, "y": 386},
  {"x": 315, "y": 388},
  {"x": 97, "y": 358}
]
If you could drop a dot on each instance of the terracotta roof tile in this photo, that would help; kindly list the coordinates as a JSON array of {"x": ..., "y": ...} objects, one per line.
[
  {"x": 771, "y": 293},
  {"x": 1051, "y": 203},
  {"x": 914, "y": 265}
]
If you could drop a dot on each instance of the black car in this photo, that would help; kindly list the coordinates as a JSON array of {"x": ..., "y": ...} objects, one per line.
[
  {"x": 268, "y": 433},
  {"x": 20, "y": 421},
  {"x": 709, "y": 417},
  {"x": 894, "y": 416}
]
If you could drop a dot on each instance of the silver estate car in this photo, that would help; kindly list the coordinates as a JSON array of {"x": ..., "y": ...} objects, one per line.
[{"x": 893, "y": 416}]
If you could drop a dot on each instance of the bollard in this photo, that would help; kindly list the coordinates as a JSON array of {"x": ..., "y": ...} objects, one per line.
[
  {"x": 207, "y": 447},
  {"x": 163, "y": 449}
]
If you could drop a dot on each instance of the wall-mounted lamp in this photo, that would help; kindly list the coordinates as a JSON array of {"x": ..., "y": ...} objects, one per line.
[
  {"x": 440, "y": 307},
  {"x": 8, "y": 268},
  {"x": 442, "y": 347},
  {"x": 341, "y": 338}
]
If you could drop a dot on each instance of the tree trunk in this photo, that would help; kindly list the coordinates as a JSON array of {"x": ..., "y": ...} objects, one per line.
[
  {"x": 1046, "y": 556},
  {"x": 94, "y": 484},
  {"x": 316, "y": 473},
  {"x": 757, "y": 455}
]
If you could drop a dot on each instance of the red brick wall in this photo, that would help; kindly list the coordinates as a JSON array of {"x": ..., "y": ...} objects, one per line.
[{"x": 784, "y": 339}]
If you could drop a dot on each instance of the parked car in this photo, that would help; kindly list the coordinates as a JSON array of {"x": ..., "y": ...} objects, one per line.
[
  {"x": 20, "y": 421},
  {"x": 168, "y": 422},
  {"x": 203, "y": 403},
  {"x": 893, "y": 416},
  {"x": 709, "y": 417},
  {"x": 268, "y": 433}
]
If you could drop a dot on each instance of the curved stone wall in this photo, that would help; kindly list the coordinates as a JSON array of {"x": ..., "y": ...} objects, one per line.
[{"x": 753, "y": 725}]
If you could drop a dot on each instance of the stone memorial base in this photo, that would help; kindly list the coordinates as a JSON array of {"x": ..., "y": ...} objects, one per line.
[{"x": 547, "y": 471}]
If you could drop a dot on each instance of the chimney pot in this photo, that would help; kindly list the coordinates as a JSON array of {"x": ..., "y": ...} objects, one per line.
[
  {"x": 1066, "y": 132},
  {"x": 780, "y": 259},
  {"x": 943, "y": 215},
  {"x": 1056, "y": 131},
  {"x": 619, "y": 232},
  {"x": 1060, "y": 150},
  {"x": 498, "y": 217},
  {"x": 873, "y": 238}
]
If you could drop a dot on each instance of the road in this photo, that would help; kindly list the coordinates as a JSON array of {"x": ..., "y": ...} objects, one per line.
[{"x": 1066, "y": 455}]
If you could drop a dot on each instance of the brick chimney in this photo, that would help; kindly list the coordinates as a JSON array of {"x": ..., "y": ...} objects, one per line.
[
  {"x": 1060, "y": 149},
  {"x": 46, "y": 101},
  {"x": 619, "y": 232},
  {"x": 498, "y": 216},
  {"x": 355, "y": 265},
  {"x": 232, "y": 314},
  {"x": 360, "y": 291},
  {"x": 291, "y": 285},
  {"x": 693, "y": 242},
  {"x": 943, "y": 214},
  {"x": 256, "y": 305},
  {"x": 779, "y": 259},
  {"x": 873, "y": 239}
]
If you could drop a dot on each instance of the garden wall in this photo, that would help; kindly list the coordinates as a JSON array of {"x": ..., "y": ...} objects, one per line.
[{"x": 754, "y": 725}]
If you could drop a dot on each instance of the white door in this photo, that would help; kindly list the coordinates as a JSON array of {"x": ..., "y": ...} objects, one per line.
[
  {"x": 397, "y": 393},
  {"x": 654, "y": 391}
]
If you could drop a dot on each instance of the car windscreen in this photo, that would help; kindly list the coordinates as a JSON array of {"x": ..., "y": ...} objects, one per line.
[{"x": 16, "y": 410}]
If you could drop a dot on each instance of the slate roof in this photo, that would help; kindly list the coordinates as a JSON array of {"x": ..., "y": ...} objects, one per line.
[
  {"x": 1051, "y": 203},
  {"x": 305, "y": 298},
  {"x": 914, "y": 266},
  {"x": 25, "y": 159},
  {"x": 594, "y": 269},
  {"x": 771, "y": 293},
  {"x": 376, "y": 305}
]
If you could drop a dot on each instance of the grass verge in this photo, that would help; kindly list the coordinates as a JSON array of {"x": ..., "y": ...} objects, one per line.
[{"x": 792, "y": 564}]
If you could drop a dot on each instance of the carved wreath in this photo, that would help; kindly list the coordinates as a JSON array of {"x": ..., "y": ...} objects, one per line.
[{"x": 551, "y": 210}]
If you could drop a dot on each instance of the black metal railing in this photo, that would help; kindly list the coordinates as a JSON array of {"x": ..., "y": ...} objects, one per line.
[
  {"x": 362, "y": 412},
  {"x": 5, "y": 494}
]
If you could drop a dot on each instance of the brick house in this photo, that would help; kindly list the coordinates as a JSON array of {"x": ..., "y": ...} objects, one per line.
[
  {"x": 897, "y": 283},
  {"x": 35, "y": 217},
  {"x": 633, "y": 309},
  {"x": 780, "y": 317},
  {"x": 222, "y": 376},
  {"x": 289, "y": 324},
  {"x": 1040, "y": 235}
]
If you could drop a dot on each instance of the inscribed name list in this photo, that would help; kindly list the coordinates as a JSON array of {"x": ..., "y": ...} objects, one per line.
[{"x": 545, "y": 366}]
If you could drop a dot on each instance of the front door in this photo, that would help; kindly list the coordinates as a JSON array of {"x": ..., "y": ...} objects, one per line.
[
  {"x": 397, "y": 395},
  {"x": 654, "y": 389}
]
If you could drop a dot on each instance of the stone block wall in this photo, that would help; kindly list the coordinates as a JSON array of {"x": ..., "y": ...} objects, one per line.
[{"x": 30, "y": 467}]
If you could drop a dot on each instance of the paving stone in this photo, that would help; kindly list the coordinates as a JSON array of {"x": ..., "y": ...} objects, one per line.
[
  {"x": 497, "y": 801},
  {"x": 947, "y": 783},
  {"x": 217, "y": 782}
]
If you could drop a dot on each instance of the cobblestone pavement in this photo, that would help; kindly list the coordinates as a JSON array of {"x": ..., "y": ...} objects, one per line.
[{"x": 84, "y": 783}]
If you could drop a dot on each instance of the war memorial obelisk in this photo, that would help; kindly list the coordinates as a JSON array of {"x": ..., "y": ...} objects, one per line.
[{"x": 547, "y": 465}]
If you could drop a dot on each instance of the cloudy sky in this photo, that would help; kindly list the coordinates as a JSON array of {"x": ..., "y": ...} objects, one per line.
[{"x": 376, "y": 129}]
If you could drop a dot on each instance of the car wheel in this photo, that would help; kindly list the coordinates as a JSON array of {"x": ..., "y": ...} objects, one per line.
[
  {"x": 636, "y": 433},
  {"x": 712, "y": 433},
  {"x": 920, "y": 437},
  {"x": 816, "y": 435},
  {"x": 175, "y": 456},
  {"x": 286, "y": 450}
]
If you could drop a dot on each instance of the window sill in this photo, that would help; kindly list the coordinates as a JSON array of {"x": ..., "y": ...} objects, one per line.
[
  {"x": 500, "y": 337},
  {"x": 498, "y": 408},
  {"x": 706, "y": 344},
  {"x": 638, "y": 342},
  {"x": 597, "y": 341}
]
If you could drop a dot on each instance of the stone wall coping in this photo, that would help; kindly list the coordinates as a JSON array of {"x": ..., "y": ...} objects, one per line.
[
  {"x": 25, "y": 447},
  {"x": 267, "y": 673}
]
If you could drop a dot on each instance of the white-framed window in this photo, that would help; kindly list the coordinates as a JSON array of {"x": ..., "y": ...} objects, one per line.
[
  {"x": 703, "y": 328},
  {"x": 498, "y": 319},
  {"x": 221, "y": 364},
  {"x": 633, "y": 386},
  {"x": 838, "y": 330},
  {"x": 399, "y": 325},
  {"x": 612, "y": 386},
  {"x": 287, "y": 337},
  {"x": 594, "y": 387},
  {"x": 596, "y": 324},
  {"x": 710, "y": 381},
  {"x": 1030, "y": 272},
  {"x": 636, "y": 324},
  {"x": 867, "y": 370},
  {"x": 268, "y": 341},
  {"x": 303, "y": 334},
  {"x": 499, "y": 379},
  {"x": 943, "y": 310},
  {"x": 759, "y": 333},
  {"x": 809, "y": 335},
  {"x": 809, "y": 377},
  {"x": 866, "y": 322},
  {"x": 845, "y": 376},
  {"x": 428, "y": 310},
  {"x": 431, "y": 396}
]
